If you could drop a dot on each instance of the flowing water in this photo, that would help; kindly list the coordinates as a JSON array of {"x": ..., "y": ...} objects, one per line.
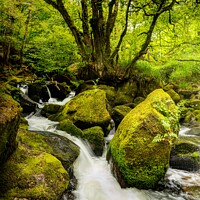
[{"x": 95, "y": 180}]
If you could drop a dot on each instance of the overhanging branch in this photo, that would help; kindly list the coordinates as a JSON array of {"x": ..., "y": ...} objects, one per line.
[{"x": 143, "y": 49}]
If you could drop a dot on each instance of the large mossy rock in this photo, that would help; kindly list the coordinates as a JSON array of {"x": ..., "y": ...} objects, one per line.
[
  {"x": 140, "y": 148},
  {"x": 9, "y": 122},
  {"x": 32, "y": 174},
  {"x": 60, "y": 147},
  {"x": 39, "y": 167},
  {"x": 86, "y": 110}
]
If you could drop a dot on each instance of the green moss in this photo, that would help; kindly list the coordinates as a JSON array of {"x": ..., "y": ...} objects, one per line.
[
  {"x": 9, "y": 122},
  {"x": 175, "y": 96},
  {"x": 196, "y": 155},
  {"x": 58, "y": 146},
  {"x": 32, "y": 174},
  {"x": 70, "y": 128},
  {"x": 95, "y": 136},
  {"x": 87, "y": 109},
  {"x": 141, "y": 161}
]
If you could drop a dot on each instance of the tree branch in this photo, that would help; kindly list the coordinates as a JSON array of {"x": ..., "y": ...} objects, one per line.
[
  {"x": 112, "y": 14},
  {"x": 143, "y": 49},
  {"x": 115, "y": 52},
  {"x": 76, "y": 33}
]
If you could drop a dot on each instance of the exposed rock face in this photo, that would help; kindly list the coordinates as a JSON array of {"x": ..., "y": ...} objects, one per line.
[
  {"x": 86, "y": 110},
  {"x": 140, "y": 148},
  {"x": 9, "y": 122}
]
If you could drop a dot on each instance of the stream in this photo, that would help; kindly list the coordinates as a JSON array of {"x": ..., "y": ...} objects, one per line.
[{"x": 95, "y": 180}]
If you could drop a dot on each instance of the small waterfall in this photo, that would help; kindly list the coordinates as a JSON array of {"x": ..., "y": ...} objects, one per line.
[{"x": 23, "y": 88}]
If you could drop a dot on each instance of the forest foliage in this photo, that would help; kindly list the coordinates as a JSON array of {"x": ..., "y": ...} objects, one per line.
[{"x": 35, "y": 34}]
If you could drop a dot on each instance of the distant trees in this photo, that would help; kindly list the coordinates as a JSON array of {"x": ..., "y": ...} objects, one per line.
[{"x": 31, "y": 33}]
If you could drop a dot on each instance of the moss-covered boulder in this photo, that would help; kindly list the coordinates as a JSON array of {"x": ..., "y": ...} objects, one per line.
[
  {"x": 175, "y": 96},
  {"x": 192, "y": 117},
  {"x": 9, "y": 123},
  {"x": 60, "y": 147},
  {"x": 50, "y": 109},
  {"x": 40, "y": 168},
  {"x": 95, "y": 136},
  {"x": 32, "y": 174},
  {"x": 119, "y": 112},
  {"x": 140, "y": 148},
  {"x": 67, "y": 126},
  {"x": 185, "y": 156},
  {"x": 86, "y": 110}
]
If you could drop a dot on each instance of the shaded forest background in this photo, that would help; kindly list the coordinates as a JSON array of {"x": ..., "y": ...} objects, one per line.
[{"x": 117, "y": 38}]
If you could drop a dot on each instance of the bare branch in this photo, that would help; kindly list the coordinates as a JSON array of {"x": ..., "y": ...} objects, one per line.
[
  {"x": 123, "y": 33},
  {"x": 143, "y": 49}
]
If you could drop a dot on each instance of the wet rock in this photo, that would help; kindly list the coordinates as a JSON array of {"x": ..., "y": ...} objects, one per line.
[
  {"x": 50, "y": 109},
  {"x": 58, "y": 90},
  {"x": 37, "y": 92},
  {"x": 27, "y": 104},
  {"x": 95, "y": 137},
  {"x": 140, "y": 148},
  {"x": 185, "y": 156}
]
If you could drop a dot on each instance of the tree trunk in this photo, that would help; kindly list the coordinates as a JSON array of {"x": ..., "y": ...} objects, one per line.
[{"x": 24, "y": 38}]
